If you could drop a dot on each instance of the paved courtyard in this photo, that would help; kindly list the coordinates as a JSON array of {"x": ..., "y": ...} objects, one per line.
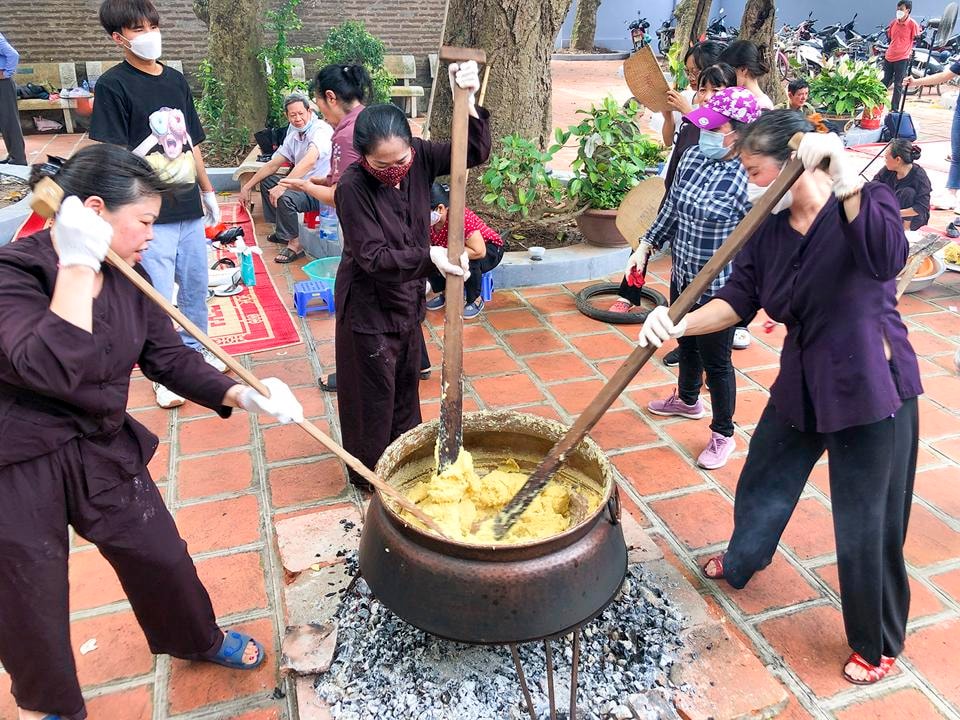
[{"x": 240, "y": 489}]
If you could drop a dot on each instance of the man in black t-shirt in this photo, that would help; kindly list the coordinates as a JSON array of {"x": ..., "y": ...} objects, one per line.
[{"x": 147, "y": 107}]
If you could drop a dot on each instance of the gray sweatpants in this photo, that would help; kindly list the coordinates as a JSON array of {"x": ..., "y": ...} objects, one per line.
[{"x": 284, "y": 215}]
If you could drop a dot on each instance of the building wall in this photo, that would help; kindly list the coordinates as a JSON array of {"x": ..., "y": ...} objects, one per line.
[{"x": 64, "y": 30}]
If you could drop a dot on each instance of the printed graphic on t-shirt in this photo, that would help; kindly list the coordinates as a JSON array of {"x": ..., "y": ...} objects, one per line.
[{"x": 168, "y": 148}]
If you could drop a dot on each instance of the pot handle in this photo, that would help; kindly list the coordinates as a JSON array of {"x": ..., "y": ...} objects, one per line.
[{"x": 613, "y": 506}]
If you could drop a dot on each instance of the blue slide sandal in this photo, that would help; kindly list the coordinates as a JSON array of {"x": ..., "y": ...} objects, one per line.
[{"x": 231, "y": 652}]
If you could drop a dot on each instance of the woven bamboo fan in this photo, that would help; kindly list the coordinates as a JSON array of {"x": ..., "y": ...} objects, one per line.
[
  {"x": 645, "y": 79},
  {"x": 638, "y": 209}
]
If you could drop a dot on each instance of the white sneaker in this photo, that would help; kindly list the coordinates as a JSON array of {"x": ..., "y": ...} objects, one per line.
[
  {"x": 212, "y": 360},
  {"x": 166, "y": 398},
  {"x": 741, "y": 338},
  {"x": 944, "y": 201}
]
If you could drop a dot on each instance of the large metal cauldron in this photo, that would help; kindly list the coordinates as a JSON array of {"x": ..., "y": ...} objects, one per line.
[{"x": 495, "y": 593}]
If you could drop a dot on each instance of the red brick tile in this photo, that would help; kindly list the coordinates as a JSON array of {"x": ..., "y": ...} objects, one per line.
[
  {"x": 603, "y": 346},
  {"x": 135, "y": 704},
  {"x": 547, "y": 411},
  {"x": 691, "y": 435},
  {"x": 554, "y": 303},
  {"x": 910, "y": 304},
  {"x": 698, "y": 519},
  {"x": 936, "y": 422},
  {"x": 929, "y": 540},
  {"x": 939, "y": 487},
  {"x": 121, "y": 652},
  {"x": 431, "y": 410},
  {"x": 776, "y": 586},
  {"x": 950, "y": 448},
  {"x": 810, "y": 530},
  {"x": 141, "y": 394},
  {"x": 755, "y": 355},
  {"x": 266, "y": 714},
  {"x": 794, "y": 711},
  {"x": 288, "y": 442},
  {"x": 507, "y": 391},
  {"x": 695, "y": 579},
  {"x": 322, "y": 326},
  {"x": 235, "y": 582},
  {"x": 537, "y": 291},
  {"x": 430, "y": 388},
  {"x": 925, "y": 458},
  {"x": 307, "y": 482},
  {"x": 190, "y": 410},
  {"x": 156, "y": 420},
  {"x": 214, "y": 474},
  {"x": 656, "y": 470},
  {"x": 92, "y": 581},
  {"x": 944, "y": 362},
  {"x": 618, "y": 429},
  {"x": 290, "y": 351},
  {"x": 922, "y": 601},
  {"x": 651, "y": 373},
  {"x": 750, "y": 405},
  {"x": 812, "y": 642},
  {"x": 631, "y": 508},
  {"x": 729, "y": 475},
  {"x": 559, "y": 367},
  {"x": 296, "y": 371},
  {"x": 513, "y": 320},
  {"x": 214, "y": 433},
  {"x": 477, "y": 336},
  {"x": 197, "y": 684},
  {"x": 949, "y": 582},
  {"x": 820, "y": 478},
  {"x": 575, "y": 396},
  {"x": 534, "y": 341},
  {"x": 943, "y": 323},
  {"x": 644, "y": 396},
  {"x": 220, "y": 524},
  {"x": 906, "y": 704},
  {"x": 576, "y": 324},
  {"x": 159, "y": 465},
  {"x": 933, "y": 651},
  {"x": 505, "y": 300},
  {"x": 488, "y": 362},
  {"x": 925, "y": 343}
]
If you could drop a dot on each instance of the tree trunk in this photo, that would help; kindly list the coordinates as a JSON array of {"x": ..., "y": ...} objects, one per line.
[
  {"x": 583, "y": 36},
  {"x": 758, "y": 24},
  {"x": 236, "y": 35},
  {"x": 686, "y": 15},
  {"x": 518, "y": 36}
]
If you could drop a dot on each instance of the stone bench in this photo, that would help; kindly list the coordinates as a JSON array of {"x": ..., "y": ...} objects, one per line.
[{"x": 404, "y": 68}]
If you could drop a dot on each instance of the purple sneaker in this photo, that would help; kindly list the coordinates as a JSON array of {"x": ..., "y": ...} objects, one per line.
[
  {"x": 673, "y": 405},
  {"x": 717, "y": 452}
]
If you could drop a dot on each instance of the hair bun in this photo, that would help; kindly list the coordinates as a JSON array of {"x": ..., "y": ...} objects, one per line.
[{"x": 915, "y": 152}]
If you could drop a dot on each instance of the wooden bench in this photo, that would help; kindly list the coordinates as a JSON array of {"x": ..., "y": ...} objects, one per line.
[
  {"x": 53, "y": 77},
  {"x": 404, "y": 68}
]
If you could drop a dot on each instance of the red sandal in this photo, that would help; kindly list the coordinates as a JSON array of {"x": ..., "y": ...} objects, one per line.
[
  {"x": 717, "y": 561},
  {"x": 876, "y": 673}
]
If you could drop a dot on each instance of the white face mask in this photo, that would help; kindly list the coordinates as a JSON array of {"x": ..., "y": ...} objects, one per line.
[
  {"x": 147, "y": 45},
  {"x": 901, "y": 14},
  {"x": 434, "y": 217}
]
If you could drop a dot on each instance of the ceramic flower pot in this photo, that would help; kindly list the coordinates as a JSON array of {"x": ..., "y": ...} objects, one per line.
[{"x": 599, "y": 227}]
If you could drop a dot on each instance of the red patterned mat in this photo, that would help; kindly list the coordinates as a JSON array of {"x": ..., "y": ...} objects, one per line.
[{"x": 255, "y": 320}]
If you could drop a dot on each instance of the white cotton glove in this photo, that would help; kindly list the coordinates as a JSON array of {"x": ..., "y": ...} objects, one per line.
[
  {"x": 82, "y": 236},
  {"x": 438, "y": 255},
  {"x": 658, "y": 328},
  {"x": 211, "y": 210},
  {"x": 467, "y": 76},
  {"x": 639, "y": 258},
  {"x": 817, "y": 147},
  {"x": 281, "y": 403}
]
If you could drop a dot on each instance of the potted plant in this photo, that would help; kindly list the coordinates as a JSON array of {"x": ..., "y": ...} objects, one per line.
[
  {"x": 845, "y": 87},
  {"x": 612, "y": 157}
]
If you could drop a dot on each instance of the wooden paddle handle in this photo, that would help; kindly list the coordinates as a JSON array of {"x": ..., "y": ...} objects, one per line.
[{"x": 47, "y": 204}]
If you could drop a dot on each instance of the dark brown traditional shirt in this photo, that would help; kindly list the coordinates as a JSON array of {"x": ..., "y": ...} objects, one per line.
[
  {"x": 386, "y": 236},
  {"x": 59, "y": 383}
]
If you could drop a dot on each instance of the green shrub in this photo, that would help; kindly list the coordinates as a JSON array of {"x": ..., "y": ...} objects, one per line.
[
  {"x": 227, "y": 141},
  {"x": 349, "y": 42},
  {"x": 280, "y": 82}
]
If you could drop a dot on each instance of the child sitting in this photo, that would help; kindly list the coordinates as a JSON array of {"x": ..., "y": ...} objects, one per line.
[{"x": 483, "y": 245}]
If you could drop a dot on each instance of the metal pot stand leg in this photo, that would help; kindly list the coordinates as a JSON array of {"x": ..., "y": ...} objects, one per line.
[{"x": 551, "y": 694}]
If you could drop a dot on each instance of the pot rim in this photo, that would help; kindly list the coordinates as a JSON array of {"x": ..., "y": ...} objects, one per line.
[{"x": 610, "y": 501}]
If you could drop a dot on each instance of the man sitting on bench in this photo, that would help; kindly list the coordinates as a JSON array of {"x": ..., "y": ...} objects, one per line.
[{"x": 307, "y": 148}]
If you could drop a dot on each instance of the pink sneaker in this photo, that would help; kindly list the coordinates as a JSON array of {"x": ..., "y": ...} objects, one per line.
[
  {"x": 717, "y": 452},
  {"x": 620, "y": 306},
  {"x": 673, "y": 405}
]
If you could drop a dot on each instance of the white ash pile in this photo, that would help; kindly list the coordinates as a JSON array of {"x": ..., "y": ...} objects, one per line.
[{"x": 387, "y": 669}]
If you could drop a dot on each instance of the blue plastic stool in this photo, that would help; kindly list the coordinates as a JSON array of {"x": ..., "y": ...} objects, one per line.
[
  {"x": 307, "y": 290},
  {"x": 486, "y": 287}
]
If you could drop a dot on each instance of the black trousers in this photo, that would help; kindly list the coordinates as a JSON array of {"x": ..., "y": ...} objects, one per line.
[
  {"x": 872, "y": 470},
  {"x": 894, "y": 73},
  {"x": 10, "y": 123},
  {"x": 378, "y": 390},
  {"x": 471, "y": 287},
  {"x": 285, "y": 215},
  {"x": 710, "y": 354},
  {"x": 132, "y": 529}
]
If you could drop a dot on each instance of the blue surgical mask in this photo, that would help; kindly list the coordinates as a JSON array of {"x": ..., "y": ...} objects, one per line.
[
  {"x": 434, "y": 217},
  {"x": 306, "y": 128},
  {"x": 711, "y": 144}
]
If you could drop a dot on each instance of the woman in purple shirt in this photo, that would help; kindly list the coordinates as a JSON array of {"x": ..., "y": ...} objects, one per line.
[{"x": 848, "y": 381}]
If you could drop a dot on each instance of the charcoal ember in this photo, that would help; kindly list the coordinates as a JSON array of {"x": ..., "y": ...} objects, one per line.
[{"x": 389, "y": 670}]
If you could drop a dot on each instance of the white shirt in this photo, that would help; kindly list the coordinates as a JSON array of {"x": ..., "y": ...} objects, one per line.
[{"x": 298, "y": 142}]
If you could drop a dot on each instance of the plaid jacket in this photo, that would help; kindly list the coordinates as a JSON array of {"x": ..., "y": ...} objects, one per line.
[{"x": 706, "y": 201}]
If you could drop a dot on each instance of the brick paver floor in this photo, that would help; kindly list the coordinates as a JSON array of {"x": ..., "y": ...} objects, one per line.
[{"x": 232, "y": 484}]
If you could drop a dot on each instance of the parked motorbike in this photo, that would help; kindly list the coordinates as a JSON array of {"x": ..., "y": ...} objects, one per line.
[
  {"x": 638, "y": 33},
  {"x": 720, "y": 32},
  {"x": 665, "y": 36}
]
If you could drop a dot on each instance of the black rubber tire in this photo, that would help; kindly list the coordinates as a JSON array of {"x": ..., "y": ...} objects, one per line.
[{"x": 630, "y": 318}]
